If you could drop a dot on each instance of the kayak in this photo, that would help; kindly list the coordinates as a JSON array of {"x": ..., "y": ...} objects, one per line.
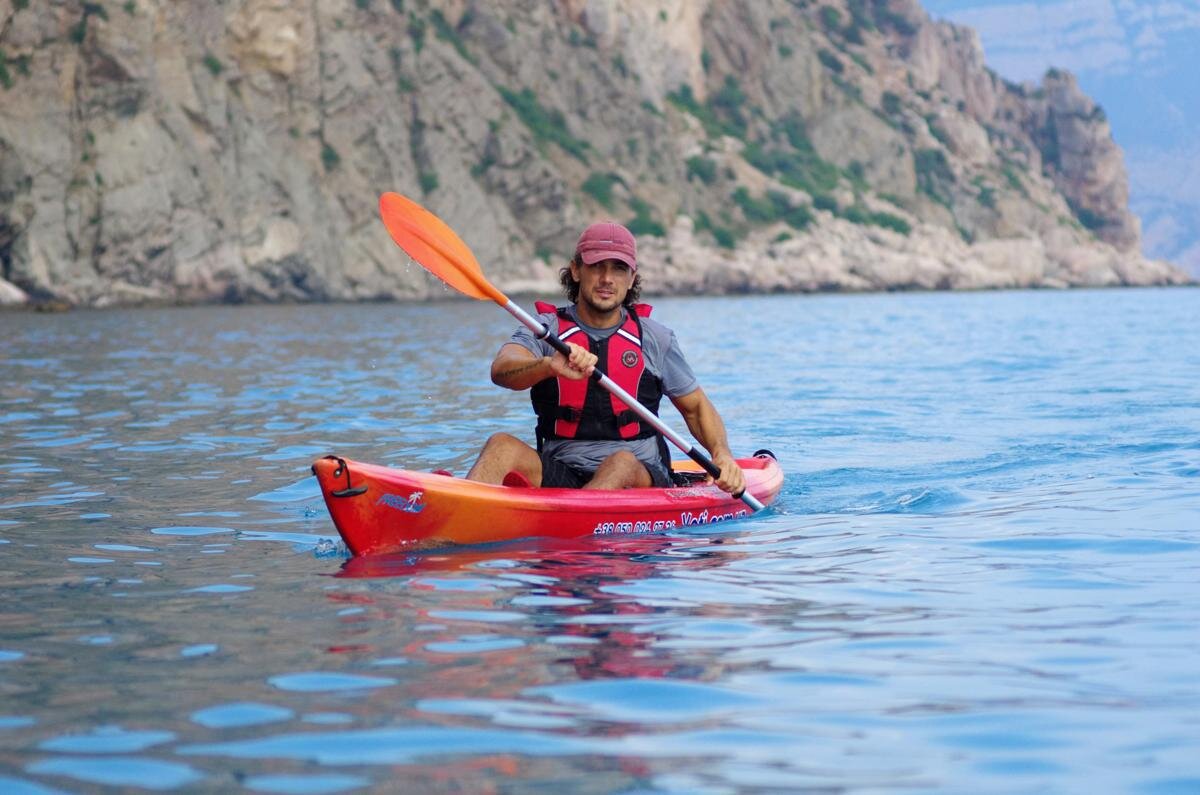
[{"x": 380, "y": 510}]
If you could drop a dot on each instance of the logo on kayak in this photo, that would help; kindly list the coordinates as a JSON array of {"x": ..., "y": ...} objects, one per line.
[
  {"x": 629, "y": 358},
  {"x": 410, "y": 504}
]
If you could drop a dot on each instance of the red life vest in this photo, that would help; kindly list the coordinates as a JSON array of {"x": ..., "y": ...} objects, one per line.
[{"x": 578, "y": 409}]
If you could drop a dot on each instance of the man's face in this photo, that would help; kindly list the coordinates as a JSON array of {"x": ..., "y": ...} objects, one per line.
[{"x": 603, "y": 286}]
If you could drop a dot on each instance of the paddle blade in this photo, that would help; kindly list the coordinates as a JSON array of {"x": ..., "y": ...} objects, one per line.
[{"x": 435, "y": 247}]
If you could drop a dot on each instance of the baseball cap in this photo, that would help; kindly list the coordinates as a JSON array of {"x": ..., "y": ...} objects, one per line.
[{"x": 607, "y": 240}]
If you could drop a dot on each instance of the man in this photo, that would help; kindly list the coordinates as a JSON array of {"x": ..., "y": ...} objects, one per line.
[{"x": 586, "y": 437}]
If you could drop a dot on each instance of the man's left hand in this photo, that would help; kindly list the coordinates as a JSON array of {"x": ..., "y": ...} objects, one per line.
[{"x": 732, "y": 479}]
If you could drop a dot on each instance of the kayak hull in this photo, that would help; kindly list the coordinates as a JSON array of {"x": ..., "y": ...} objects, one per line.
[{"x": 380, "y": 510}]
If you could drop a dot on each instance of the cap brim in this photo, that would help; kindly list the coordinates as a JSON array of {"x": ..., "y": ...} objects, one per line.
[{"x": 592, "y": 257}]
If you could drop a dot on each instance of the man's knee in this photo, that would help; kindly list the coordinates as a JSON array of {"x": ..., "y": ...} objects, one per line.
[
  {"x": 624, "y": 460},
  {"x": 621, "y": 470},
  {"x": 503, "y": 441}
]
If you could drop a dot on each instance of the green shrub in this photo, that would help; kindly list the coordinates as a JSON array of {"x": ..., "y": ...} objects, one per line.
[
  {"x": 785, "y": 51},
  {"x": 448, "y": 34},
  {"x": 702, "y": 169},
  {"x": 798, "y": 165},
  {"x": 599, "y": 187},
  {"x": 891, "y": 103},
  {"x": 1093, "y": 221},
  {"x": 987, "y": 195},
  {"x": 546, "y": 125},
  {"x": 937, "y": 132},
  {"x": 329, "y": 157},
  {"x": 863, "y": 63},
  {"x": 429, "y": 181},
  {"x": 5, "y": 78},
  {"x": 798, "y": 217},
  {"x": 771, "y": 207},
  {"x": 685, "y": 100},
  {"x": 858, "y": 214},
  {"x": 756, "y": 211},
  {"x": 849, "y": 89},
  {"x": 823, "y": 201},
  {"x": 1010, "y": 176},
  {"x": 416, "y": 31},
  {"x": 830, "y": 61},
  {"x": 724, "y": 236},
  {"x": 728, "y": 102},
  {"x": 643, "y": 222},
  {"x": 886, "y": 18},
  {"x": 363, "y": 5},
  {"x": 856, "y": 172},
  {"x": 214, "y": 65},
  {"x": 130, "y": 7},
  {"x": 933, "y": 174},
  {"x": 831, "y": 18},
  {"x": 485, "y": 163},
  {"x": 889, "y": 221},
  {"x": 577, "y": 39},
  {"x": 860, "y": 14}
]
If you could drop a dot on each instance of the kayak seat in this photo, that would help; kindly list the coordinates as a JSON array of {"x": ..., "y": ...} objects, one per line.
[
  {"x": 682, "y": 479},
  {"x": 516, "y": 480},
  {"x": 445, "y": 472}
]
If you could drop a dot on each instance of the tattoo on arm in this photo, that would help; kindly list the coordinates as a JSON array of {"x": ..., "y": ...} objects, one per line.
[{"x": 519, "y": 370}]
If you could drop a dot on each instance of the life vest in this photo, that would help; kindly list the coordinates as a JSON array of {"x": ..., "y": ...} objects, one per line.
[{"x": 579, "y": 409}]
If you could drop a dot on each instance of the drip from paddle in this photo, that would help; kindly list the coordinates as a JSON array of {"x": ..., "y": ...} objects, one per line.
[{"x": 435, "y": 247}]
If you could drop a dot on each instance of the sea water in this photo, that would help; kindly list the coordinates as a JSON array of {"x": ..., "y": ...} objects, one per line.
[{"x": 981, "y": 574}]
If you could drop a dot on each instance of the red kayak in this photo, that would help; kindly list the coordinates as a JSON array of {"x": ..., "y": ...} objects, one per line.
[{"x": 381, "y": 510}]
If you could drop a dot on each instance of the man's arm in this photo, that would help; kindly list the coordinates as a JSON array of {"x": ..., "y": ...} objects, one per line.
[
  {"x": 709, "y": 429},
  {"x": 516, "y": 367}
]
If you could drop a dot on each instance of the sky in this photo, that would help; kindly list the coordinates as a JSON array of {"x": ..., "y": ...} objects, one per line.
[{"x": 1141, "y": 62}]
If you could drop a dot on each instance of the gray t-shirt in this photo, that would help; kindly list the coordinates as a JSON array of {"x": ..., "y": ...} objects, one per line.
[{"x": 663, "y": 358}]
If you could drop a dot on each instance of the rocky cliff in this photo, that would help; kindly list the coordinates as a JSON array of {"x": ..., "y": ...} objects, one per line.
[{"x": 156, "y": 151}]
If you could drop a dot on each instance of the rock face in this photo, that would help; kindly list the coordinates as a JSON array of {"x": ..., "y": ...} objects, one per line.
[{"x": 156, "y": 151}]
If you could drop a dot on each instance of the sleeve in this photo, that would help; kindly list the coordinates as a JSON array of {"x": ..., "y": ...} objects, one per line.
[{"x": 524, "y": 337}]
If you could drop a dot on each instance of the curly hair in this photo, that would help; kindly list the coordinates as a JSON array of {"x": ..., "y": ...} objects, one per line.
[{"x": 571, "y": 287}]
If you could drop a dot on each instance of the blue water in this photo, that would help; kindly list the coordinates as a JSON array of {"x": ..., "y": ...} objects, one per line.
[{"x": 981, "y": 575}]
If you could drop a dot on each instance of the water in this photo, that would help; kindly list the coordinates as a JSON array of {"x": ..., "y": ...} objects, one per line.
[{"x": 981, "y": 574}]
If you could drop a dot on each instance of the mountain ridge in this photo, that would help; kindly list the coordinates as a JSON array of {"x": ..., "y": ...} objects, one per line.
[{"x": 158, "y": 153}]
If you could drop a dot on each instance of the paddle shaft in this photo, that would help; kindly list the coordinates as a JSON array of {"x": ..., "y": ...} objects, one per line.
[{"x": 692, "y": 451}]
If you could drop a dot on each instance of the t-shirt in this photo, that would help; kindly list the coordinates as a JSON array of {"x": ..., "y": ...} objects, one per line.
[{"x": 664, "y": 358}]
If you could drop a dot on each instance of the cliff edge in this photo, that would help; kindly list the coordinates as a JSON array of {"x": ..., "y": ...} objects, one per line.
[{"x": 162, "y": 152}]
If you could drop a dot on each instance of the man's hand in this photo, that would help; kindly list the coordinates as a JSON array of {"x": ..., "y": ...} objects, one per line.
[
  {"x": 732, "y": 479},
  {"x": 579, "y": 365}
]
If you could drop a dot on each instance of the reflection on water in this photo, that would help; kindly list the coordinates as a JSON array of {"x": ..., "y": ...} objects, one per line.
[{"x": 980, "y": 575}]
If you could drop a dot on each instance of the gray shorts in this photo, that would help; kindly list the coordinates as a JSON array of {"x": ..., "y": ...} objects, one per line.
[{"x": 557, "y": 475}]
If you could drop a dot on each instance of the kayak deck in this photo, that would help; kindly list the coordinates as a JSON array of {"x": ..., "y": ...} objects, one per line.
[{"x": 378, "y": 510}]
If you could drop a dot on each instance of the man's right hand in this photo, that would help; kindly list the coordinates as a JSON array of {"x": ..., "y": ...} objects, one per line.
[{"x": 579, "y": 364}]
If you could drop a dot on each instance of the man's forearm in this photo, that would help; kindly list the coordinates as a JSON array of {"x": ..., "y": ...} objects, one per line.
[
  {"x": 518, "y": 374},
  {"x": 708, "y": 428}
]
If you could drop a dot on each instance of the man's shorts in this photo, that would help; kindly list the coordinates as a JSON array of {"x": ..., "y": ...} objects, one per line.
[{"x": 557, "y": 475}]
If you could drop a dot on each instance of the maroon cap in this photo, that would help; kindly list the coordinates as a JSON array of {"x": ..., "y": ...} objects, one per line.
[{"x": 607, "y": 240}]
